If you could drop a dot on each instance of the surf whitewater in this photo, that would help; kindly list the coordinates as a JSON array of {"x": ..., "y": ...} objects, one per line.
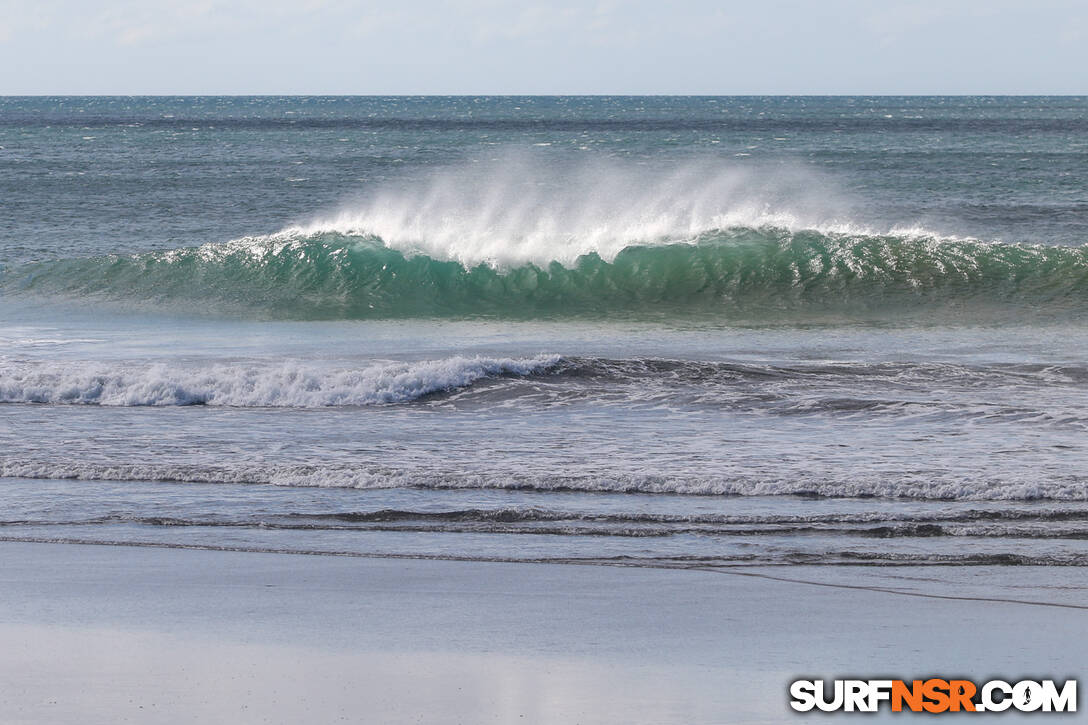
[
  {"x": 285, "y": 385},
  {"x": 729, "y": 272}
]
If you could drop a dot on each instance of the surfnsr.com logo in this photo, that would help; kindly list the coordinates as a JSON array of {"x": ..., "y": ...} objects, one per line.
[{"x": 933, "y": 695}]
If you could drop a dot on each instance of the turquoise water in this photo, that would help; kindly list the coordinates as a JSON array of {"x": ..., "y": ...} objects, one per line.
[{"x": 786, "y": 330}]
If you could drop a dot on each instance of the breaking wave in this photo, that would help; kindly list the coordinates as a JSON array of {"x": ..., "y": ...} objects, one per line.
[
  {"x": 517, "y": 238},
  {"x": 738, "y": 272},
  {"x": 285, "y": 385}
]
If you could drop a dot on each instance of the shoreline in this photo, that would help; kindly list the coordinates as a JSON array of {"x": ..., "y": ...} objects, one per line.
[
  {"x": 93, "y": 633},
  {"x": 757, "y": 571}
]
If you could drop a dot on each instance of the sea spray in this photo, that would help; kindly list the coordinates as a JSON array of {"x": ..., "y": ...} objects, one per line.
[{"x": 520, "y": 208}]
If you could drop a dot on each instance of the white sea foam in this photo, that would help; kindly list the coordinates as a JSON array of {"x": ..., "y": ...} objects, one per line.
[{"x": 288, "y": 384}]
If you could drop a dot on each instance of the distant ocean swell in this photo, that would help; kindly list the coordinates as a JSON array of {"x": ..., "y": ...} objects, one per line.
[{"x": 742, "y": 272}]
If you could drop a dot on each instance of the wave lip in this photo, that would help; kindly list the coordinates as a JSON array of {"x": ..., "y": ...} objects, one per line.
[{"x": 285, "y": 385}]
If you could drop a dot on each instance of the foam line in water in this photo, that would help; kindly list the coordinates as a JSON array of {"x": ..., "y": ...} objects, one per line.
[{"x": 1019, "y": 486}]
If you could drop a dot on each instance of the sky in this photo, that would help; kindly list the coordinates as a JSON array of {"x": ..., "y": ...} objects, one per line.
[{"x": 564, "y": 47}]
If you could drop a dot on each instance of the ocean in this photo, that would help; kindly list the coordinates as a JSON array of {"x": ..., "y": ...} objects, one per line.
[{"x": 638, "y": 331}]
